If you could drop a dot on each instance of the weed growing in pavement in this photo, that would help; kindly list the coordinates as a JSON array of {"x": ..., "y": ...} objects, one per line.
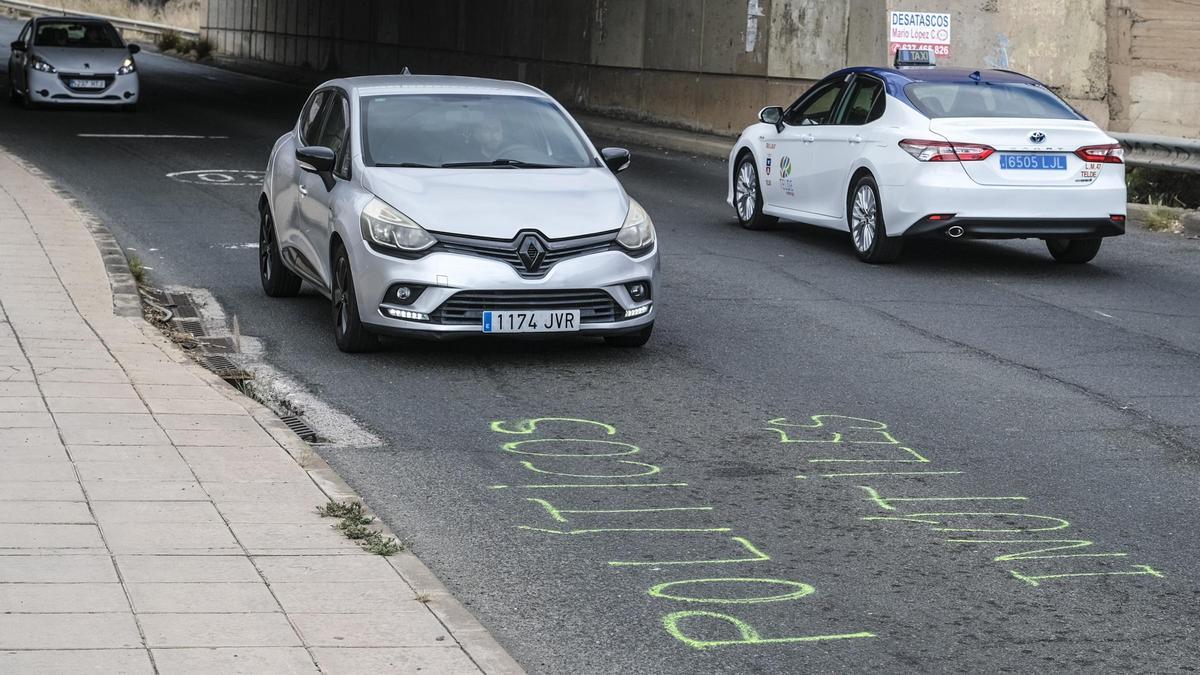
[
  {"x": 1162, "y": 219},
  {"x": 169, "y": 41},
  {"x": 422, "y": 597},
  {"x": 354, "y": 524},
  {"x": 203, "y": 48},
  {"x": 136, "y": 268}
]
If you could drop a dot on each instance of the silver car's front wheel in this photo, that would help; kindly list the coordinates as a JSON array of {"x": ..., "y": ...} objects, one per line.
[
  {"x": 865, "y": 219},
  {"x": 747, "y": 196}
]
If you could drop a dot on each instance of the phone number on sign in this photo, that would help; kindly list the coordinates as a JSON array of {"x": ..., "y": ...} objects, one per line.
[{"x": 942, "y": 51}]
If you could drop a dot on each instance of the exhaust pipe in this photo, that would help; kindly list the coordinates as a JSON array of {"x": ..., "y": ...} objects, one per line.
[{"x": 955, "y": 231}]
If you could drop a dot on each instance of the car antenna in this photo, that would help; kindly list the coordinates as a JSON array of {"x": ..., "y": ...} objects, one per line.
[
  {"x": 406, "y": 71},
  {"x": 976, "y": 76}
]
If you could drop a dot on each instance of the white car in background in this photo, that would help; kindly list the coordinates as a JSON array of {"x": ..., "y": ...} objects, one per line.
[
  {"x": 72, "y": 60},
  {"x": 887, "y": 154}
]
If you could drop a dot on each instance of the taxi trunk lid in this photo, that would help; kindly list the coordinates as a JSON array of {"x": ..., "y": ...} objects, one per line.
[{"x": 1029, "y": 152}]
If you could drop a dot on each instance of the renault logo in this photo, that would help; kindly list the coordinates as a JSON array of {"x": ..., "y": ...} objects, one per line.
[
  {"x": 532, "y": 252},
  {"x": 1037, "y": 137}
]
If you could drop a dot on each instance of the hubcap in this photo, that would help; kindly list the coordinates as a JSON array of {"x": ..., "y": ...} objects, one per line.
[
  {"x": 341, "y": 305},
  {"x": 862, "y": 218},
  {"x": 745, "y": 191}
]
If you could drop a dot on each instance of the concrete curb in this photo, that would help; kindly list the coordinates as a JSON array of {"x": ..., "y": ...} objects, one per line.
[
  {"x": 478, "y": 643},
  {"x": 1189, "y": 219}
]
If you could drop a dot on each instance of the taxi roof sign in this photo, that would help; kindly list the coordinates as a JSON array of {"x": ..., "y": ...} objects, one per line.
[{"x": 914, "y": 58}]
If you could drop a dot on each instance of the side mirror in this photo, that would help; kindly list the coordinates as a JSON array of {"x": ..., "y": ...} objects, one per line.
[
  {"x": 318, "y": 160},
  {"x": 616, "y": 159},
  {"x": 133, "y": 49},
  {"x": 17, "y": 46},
  {"x": 772, "y": 115}
]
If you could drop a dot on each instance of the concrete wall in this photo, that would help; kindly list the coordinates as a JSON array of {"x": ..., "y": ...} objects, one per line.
[{"x": 709, "y": 65}]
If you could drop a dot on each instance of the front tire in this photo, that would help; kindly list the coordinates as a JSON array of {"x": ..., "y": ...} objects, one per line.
[
  {"x": 747, "y": 196},
  {"x": 868, "y": 233},
  {"x": 351, "y": 335},
  {"x": 631, "y": 340},
  {"x": 1073, "y": 251},
  {"x": 277, "y": 280}
]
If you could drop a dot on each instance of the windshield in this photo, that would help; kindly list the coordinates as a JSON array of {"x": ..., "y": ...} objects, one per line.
[
  {"x": 987, "y": 99},
  {"x": 440, "y": 130},
  {"x": 87, "y": 34}
]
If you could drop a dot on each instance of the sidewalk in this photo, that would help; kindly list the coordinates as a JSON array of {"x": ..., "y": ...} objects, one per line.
[{"x": 154, "y": 520}]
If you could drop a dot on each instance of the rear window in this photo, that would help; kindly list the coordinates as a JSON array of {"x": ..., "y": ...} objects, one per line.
[
  {"x": 987, "y": 99},
  {"x": 85, "y": 34}
]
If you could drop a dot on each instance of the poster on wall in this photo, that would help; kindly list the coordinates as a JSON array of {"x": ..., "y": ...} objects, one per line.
[{"x": 919, "y": 30}]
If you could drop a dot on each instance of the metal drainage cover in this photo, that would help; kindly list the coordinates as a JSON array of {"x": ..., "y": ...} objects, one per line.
[
  {"x": 192, "y": 326},
  {"x": 300, "y": 427}
]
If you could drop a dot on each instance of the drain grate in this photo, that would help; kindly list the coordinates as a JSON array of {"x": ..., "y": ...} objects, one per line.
[
  {"x": 300, "y": 427},
  {"x": 191, "y": 326}
]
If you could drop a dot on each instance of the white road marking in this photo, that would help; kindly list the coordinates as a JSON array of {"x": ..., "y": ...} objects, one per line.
[
  {"x": 193, "y": 136},
  {"x": 218, "y": 177},
  {"x": 1109, "y": 316}
]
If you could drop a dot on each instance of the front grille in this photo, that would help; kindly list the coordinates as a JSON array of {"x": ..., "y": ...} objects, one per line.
[
  {"x": 507, "y": 251},
  {"x": 466, "y": 308}
]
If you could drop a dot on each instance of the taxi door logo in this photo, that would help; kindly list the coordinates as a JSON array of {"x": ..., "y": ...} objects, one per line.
[
  {"x": 768, "y": 166},
  {"x": 785, "y": 181}
]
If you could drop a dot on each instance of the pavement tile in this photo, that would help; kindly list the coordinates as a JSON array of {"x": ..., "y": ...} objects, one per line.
[
  {"x": 264, "y": 492},
  {"x": 31, "y": 472},
  {"x": 270, "y": 471},
  {"x": 64, "y": 404},
  {"x": 171, "y": 537},
  {"x": 218, "y": 630},
  {"x": 173, "y": 469},
  {"x": 156, "y": 512},
  {"x": 26, "y": 536},
  {"x": 412, "y": 628},
  {"x": 22, "y": 404},
  {"x": 164, "y": 376},
  {"x": 33, "y": 453},
  {"x": 353, "y": 597},
  {"x": 114, "y": 436},
  {"x": 22, "y": 389},
  {"x": 282, "y": 536},
  {"x": 209, "y": 453},
  {"x": 102, "y": 420},
  {"x": 183, "y": 406},
  {"x": 62, "y": 598},
  {"x": 199, "y": 598},
  {"x": 68, "y": 631},
  {"x": 45, "y": 512},
  {"x": 235, "y": 661},
  {"x": 294, "y": 511},
  {"x": 57, "y": 569},
  {"x": 41, "y": 491},
  {"x": 187, "y": 568},
  {"x": 29, "y": 437},
  {"x": 144, "y": 490},
  {"x": 106, "y": 661},
  {"x": 207, "y": 422},
  {"x": 192, "y": 392},
  {"x": 123, "y": 453},
  {"x": 449, "y": 660},
  {"x": 30, "y": 420},
  {"x": 216, "y": 437},
  {"x": 93, "y": 390},
  {"x": 338, "y": 568},
  {"x": 81, "y": 376}
]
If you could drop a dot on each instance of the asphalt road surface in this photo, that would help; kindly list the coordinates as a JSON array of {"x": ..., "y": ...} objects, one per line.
[{"x": 744, "y": 534}]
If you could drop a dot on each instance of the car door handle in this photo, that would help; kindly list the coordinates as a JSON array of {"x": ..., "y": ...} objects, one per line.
[
  {"x": 303, "y": 191},
  {"x": 856, "y": 140},
  {"x": 808, "y": 138}
]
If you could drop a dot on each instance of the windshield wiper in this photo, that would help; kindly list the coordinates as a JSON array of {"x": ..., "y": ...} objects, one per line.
[
  {"x": 407, "y": 165},
  {"x": 514, "y": 163}
]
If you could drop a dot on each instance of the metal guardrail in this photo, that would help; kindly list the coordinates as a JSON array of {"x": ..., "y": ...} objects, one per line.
[
  {"x": 1161, "y": 152},
  {"x": 125, "y": 24}
]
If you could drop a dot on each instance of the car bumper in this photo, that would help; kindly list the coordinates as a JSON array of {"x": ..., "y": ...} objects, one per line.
[
  {"x": 49, "y": 89},
  {"x": 1001, "y": 211},
  {"x": 445, "y": 275}
]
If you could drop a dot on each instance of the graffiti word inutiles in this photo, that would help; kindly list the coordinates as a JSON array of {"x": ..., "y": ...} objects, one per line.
[
  {"x": 861, "y": 450},
  {"x": 707, "y": 610}
]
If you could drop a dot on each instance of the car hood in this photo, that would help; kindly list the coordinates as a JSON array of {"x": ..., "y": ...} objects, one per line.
[
  {"x": 499, "y": 203},
  {"x": 83, "y": 59}
]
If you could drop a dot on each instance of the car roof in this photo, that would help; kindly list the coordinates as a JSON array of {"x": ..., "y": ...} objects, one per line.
[
  {"x": 70, "y": 19},
  {"x": 900, "y": 78},
  {"x": 378, "y": 85}
]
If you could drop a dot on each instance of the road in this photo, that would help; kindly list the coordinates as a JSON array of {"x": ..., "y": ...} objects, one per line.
[{"x": 1064, "y": 396}]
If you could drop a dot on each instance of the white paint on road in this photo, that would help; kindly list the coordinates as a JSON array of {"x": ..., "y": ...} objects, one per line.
[
  {"x": 230, "y": 177},
  {"x": 147, "y": 136},
  {"x": 1107, "y": 316}
]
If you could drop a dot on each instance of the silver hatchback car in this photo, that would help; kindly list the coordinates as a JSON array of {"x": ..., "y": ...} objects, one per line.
[{"x": 451, "y": 206}]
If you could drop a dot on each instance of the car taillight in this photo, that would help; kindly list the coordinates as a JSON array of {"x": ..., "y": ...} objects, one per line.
[
  {"x": 1104, "y": 154},
  {"x": 945, "y": 151}
]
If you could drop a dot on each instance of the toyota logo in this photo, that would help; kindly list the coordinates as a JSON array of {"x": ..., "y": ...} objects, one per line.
[
  {"x": 532, "y": 252},
  {"x": 1037, "y": 137}
]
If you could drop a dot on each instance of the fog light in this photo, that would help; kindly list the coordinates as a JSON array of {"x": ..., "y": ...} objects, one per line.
[
  {"x": 402, "y": 294},
  {"x": 639, "y": 291},
  {"x": 405, "y": 314},
  {"x": 636, "y": 311}
]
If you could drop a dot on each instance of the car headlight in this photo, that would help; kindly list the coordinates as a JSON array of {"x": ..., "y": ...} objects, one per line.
[
  {"x": 127, "y": 66},
  {"x": 38, "y": 63},
  {"x": 638, "y": 230},
  {"x": 385, "y": 226}
]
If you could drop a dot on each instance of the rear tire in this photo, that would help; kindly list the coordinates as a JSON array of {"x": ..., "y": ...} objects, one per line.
[
  {"x": 13, "y": 97},
  {"x": 631, "y": 340},
  {"x": 747, "y": 196},
  {"x": 1073, "y": 251},
  {"x": 351, "y": 335},
  {"x": 868, "y": 233},
  {"x": 277, "y": 280}
]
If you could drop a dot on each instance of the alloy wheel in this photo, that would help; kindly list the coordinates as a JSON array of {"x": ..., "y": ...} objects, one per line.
[
  {"x": 862, "y": 219},
  {"x": 341, "y": 304},
  {"x": 266, "y": 243},
  {"x": 745, "y": 192}
]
